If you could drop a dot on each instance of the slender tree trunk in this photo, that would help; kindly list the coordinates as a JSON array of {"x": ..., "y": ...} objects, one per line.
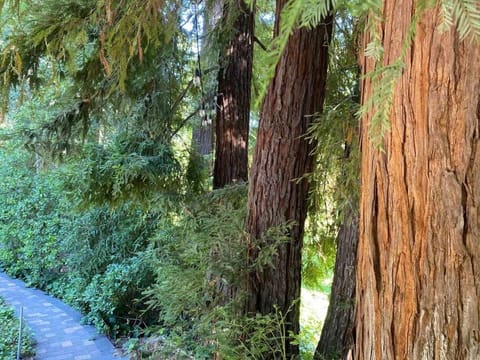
[
  {"x": 418, "y": 275},
  {"x": 202, "y": 134},
  {"x": 337, "y": 339},
  {"x": 233, "y": 99},
  {"x": 282, "y": 156},
  {"x": 202, "y": 139}
]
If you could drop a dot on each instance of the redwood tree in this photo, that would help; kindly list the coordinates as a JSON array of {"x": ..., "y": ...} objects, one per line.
[
  {"x": 418, "y": 276},
  {"x": 282, "y": 156},
  {"x": 233, "y": 98}
]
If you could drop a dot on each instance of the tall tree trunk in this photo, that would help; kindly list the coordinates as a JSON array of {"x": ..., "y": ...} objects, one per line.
[
  {"x": 418, "y": 275},
  {"x": 282, "y": 156},
  {"x": 233, "y": 112},
  {"x": 337, "y": 338},
  {"x": 233, "y": 99}
]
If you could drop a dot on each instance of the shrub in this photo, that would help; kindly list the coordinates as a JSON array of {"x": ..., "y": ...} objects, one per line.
[
  {"x": 112, "y": 299},
  {"x": 31, "y": 217},
  {"x": 9, "y": 335}
]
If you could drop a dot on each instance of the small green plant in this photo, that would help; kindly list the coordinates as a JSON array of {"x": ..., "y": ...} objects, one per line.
[{"x": 9, "y": 326}]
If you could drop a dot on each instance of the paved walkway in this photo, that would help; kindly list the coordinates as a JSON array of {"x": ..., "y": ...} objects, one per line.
[{"x": 56, "y": 326}]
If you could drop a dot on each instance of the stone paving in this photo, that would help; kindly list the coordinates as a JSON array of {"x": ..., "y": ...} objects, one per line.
[{"x": 56, "y": 326}]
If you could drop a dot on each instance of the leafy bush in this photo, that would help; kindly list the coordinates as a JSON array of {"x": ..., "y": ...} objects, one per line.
[
  {"x": 9, "y": 326},
  {"x": 75, "y": 255},
  {"x": 30, "y": 221},
  {"x": 111, "y": 299},
  {"x": 100, "y": 236}
]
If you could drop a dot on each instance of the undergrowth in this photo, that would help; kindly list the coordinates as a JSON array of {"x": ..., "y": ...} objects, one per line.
[
  {"x": 9, "y": 328},
  {"x": 155, "y": 276}
]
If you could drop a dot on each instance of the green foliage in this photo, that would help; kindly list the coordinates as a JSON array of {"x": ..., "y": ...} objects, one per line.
[
  {"x": 465, "y": 14},
  {"x": 101, "y": 236},
  {"x": 78, "y": 256},
  {"x": 29, "y": 222},
  {"x": 133, "y": 167},
  {"x": 111, "y": 297},
  {"x": 66, "y": 30},
  {"x": 134, "y": 267},
  {"x": 9, "y": 325},
  {"x": 201, "y": 249},
  {"x": 335, "y": 180},
  {"x": 266, "y": 337},
  {"x": 106, "y": 268},
  {"x": 318, "y": 257},
  {"x": 197, "y": 173},
  {"x": 198, "y": 257},
  {"x": 70, "y": 61}
]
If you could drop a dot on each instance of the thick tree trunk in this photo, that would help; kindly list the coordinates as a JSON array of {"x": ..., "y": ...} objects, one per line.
[
  {"x": 418, "y": 275},
  {"x": 233, "y": 99},
  {"x": 337, "y": 339},
  {"x": 282, "y": 156}
]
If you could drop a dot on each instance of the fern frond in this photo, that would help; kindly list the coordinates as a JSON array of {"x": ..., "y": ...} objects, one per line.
[
  {"x": 446, "y": 14},
  {"x": 383, "y": 79},
  {"x": 374, "y": 49},
  {"x": 467, "y": 18},
  {"x": 374, "y": 11},
  {"x": 314, "y": 11}
]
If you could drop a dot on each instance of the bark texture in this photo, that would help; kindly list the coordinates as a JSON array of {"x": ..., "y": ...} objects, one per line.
[
  {"x": 337, "y": 338},
  {"x": 233, "y": 99},
  {"x": 418, "y": 281},
  {"x": 282, "y": 156}
]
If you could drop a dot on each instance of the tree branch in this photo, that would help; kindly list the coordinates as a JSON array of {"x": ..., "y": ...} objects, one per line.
[{"x": 255, "y": 39}]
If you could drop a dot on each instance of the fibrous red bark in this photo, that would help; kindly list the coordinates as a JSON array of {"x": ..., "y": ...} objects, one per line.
[
  {"x": 233, "y": 99},
  {"x": 418, "y": 275},
  {"x": 282, "y": 156}
]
